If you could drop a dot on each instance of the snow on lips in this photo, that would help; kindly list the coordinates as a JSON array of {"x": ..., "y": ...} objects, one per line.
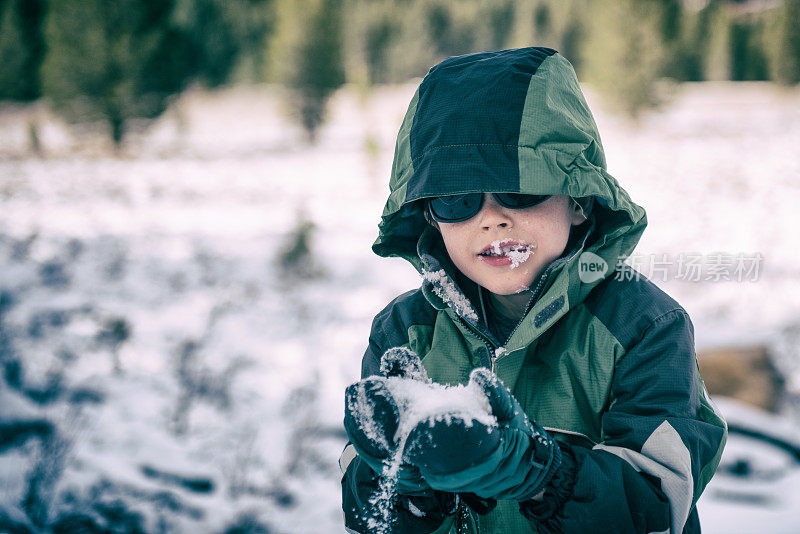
[{"x": 515, "y": 251}]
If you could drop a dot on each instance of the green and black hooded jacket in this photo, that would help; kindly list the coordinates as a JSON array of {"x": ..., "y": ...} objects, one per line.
[{"x": 607, "y": 365}]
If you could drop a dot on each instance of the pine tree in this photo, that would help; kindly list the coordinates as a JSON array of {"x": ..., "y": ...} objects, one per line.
[
  {"x": 306, "y": 57},
  {"x": 221, "y": 34},
  {"x": 21, "y": 48},
  {"x": 112, "y": 61},
  {"x": 718, "y": 57},
  {"x": 784, "y": 44},
  {"x": 624, "y": 53}
]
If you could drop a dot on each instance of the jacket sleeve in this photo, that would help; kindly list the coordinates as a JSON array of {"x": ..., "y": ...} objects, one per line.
[
  {"x": 412, "y": 514},
  {"x": 662, "y": 440}
]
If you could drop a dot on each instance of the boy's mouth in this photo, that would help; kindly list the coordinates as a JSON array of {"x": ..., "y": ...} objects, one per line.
[
  {"x": 506, "y": 252},
  {"x": 504, "y": 248}
]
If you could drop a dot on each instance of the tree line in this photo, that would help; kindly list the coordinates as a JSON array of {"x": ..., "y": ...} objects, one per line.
[{"x": 115, "y": 61}]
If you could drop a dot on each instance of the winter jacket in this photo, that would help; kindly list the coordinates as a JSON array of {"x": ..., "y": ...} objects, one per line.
[{"x": 605, "y": 363}]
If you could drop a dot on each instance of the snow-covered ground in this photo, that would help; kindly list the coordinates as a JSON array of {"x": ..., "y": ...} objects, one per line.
[
  {"x": 193, "y": 379},
  {"x": 757, "y": 485}
]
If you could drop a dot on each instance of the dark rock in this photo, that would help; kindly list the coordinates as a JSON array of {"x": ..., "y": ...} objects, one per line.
[{"x": 747, "y": 374}]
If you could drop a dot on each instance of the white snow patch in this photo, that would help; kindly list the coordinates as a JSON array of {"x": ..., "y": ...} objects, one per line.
[
  {"x": 446, "y": 290},
  {"x": 418, "y": 401}
]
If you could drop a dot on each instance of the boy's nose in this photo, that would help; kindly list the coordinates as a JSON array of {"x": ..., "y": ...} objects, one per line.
[{"x": 492, "y": 214}]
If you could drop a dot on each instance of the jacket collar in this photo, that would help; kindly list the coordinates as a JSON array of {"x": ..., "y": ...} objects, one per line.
[{"x": 446, "y": 289}]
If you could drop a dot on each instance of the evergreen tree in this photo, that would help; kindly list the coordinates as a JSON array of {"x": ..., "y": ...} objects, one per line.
[
  {"x": 373, "y": 25},
  {"x": 220, "y": 34},
  {"x": 718, "y": 57},
  {"x": 748, "y": 61},
  {"x": 784, "y": 44},
  {"x": 207, "y": 26},
  {"x": 495, "y": 21},
  {"x": 21, "y": 48},
  {"x": 624, "y": 53},
  {"x": 692, "y": 46},
  {"x": 414, "y": 51},
  {"x": 306, "y": 57},
  {"x": 557, "y": 24},
  {"x": 451, "y": 26},
  {"x": 523, "y": 32},
  {"x": 112, "y": 61}
]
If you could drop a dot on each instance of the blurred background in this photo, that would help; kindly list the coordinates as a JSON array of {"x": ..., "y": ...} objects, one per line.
[{"x": 188, "y": 194}]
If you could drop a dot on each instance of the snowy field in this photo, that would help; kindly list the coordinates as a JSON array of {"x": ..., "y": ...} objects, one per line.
[{"x": 177, "y": 373}]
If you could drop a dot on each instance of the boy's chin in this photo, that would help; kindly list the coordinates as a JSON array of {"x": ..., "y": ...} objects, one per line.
[
  {"x": 513, "y": 283},
  {"x": 507, "y": 289}
]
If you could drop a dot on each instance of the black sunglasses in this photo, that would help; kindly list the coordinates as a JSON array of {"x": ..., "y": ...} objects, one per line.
[{"x": 457, "y": 208}]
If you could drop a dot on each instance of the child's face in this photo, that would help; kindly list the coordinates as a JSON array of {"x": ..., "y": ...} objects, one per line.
[{"x": 529, "y": 239}]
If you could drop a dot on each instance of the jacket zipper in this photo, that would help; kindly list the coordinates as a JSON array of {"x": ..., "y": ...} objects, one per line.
[
  {"x": 493, "y": 351},
  {"x": 535, "y": 295},
  {"x": 528, "y": 307},
  {"x": 482, "y": 337}
]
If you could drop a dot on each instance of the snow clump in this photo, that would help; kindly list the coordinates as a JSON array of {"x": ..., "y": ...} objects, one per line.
[
  {"x": 417, "y": 401},
  {"x": 517, "y": 253},
  {"x": 403, "y": 362},
  {"x": 446, "y": 290}
]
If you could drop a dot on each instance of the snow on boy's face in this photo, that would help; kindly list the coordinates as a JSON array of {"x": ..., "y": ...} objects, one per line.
[{"x": 504, "y": 249}]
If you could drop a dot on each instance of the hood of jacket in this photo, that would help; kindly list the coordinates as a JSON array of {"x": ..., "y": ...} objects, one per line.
[{"x": 505, "y": 121}]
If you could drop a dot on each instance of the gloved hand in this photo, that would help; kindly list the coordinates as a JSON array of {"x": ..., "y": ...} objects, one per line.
[
  {"x": 371, "y": 417},
  {"x": 513, "y": 460}
]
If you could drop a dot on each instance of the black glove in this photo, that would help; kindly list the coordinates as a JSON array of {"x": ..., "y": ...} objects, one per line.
[
  {"x": 371, "y": 416},
  {"x": 512, "y": 460}
]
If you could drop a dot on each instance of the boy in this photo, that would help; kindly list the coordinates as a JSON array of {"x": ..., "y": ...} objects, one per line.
[{"x": 499, "y": 192}]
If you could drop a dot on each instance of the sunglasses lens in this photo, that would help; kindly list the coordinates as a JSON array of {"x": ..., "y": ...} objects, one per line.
[
  {"x": 519, "y": 200},
  {"x": 455, "y": 208}
]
